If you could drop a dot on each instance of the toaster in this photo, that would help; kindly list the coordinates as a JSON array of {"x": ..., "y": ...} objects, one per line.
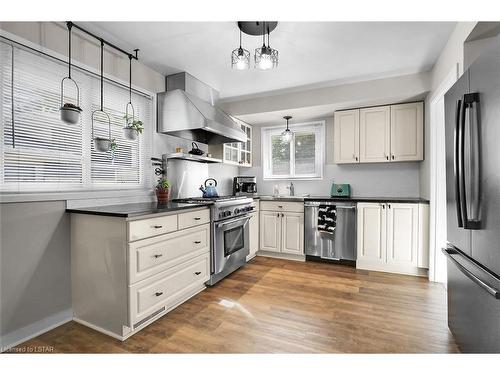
[{"x": 340, "y": 190}]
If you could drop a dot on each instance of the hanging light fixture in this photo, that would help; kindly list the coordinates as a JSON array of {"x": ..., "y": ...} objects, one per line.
[
  {"x": 240, "y": 58},
  {"x": 265, "y": 57},
  {"x": 287, "y": 135}
]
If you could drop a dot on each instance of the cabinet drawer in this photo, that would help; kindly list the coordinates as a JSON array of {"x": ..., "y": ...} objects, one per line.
[
  {"x": 139, "y": 229},
  {"x": 164, "y": 289},
  {"x": 282, "y": 206},
  {"x": 153, "y": 255},
  {"x": 191, "y": 219}
]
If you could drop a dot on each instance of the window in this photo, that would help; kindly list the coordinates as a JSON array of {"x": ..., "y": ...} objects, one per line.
[
  {"x": 302, "y": 158},
  {"x": 45, "y": 154}
]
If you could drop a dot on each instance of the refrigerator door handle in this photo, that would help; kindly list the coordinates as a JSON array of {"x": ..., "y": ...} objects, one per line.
[
  {"x": 470, "y": 102},
  {"x": 454, "y": 255},
  {"x": 456, "y": 164}
]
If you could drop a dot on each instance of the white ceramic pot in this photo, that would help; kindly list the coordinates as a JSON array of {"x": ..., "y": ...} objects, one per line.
[
  {"x": 130, "y": 133},
  {"x": 69, "y": 115},
  {"x": 102, "y": 144}
]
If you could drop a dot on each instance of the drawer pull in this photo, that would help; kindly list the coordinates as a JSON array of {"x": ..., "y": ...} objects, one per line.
[
  {"x": 157, "y": 294},
  {"x": 197, "y": 242},
  {"x": 157, "y": 255},
  {"x": 280, "y": 206},
  {"x": 157, "y": 226},
  {"x": 197, "y": 273},
  {"x": 197, "y": 218}
]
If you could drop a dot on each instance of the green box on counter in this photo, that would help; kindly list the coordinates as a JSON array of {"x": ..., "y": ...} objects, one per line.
[{"x": 340, "y": 190}]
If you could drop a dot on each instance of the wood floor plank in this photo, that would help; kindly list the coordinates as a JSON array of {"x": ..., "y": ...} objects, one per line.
[{"x": 279, "y": 306}]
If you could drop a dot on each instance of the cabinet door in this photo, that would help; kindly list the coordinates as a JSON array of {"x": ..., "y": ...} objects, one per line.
[
  {"x": 402, "y": 234},
  {"x": 375, "y": 134},
  {"x": 346, "y": 136},
  {"x": 270, "y": 231},
  {"x": 371, "y": 232},
  {"x": 292, "y": 233},
  {"x": 407, "y": 132},
  {"x": 254, "y": 235}
]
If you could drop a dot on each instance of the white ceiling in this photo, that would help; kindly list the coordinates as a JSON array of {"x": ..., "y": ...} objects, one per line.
[{"x": 310, "y": 53}]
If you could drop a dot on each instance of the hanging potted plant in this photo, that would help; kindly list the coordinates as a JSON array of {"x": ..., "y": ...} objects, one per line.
[
  {"x": 163, "y": 190},
  {"x": 102, "y": 144},
  {"x": 132, "y": 128},
  {"x": 70, "y": 112}
]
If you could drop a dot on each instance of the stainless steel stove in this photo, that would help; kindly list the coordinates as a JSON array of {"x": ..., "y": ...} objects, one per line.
[{"x": 229, "y": 233}]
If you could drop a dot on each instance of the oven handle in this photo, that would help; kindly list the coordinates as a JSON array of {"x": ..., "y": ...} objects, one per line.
[{"x": 246, "y": 218}]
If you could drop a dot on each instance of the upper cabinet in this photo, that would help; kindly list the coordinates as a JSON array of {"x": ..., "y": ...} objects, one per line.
[
  {"x": 238, "y": 153},
  {"x": 346, "y": 133},
  {"x": 407, "y": 132},
  {"x": 379, "y": 134}
]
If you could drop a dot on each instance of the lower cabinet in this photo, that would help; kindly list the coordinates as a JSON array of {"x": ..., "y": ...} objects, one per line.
[
  {"x": 392, "y": 237},
  {"x": 282, "y": 232},
  {"x": 254, "y": 235}
]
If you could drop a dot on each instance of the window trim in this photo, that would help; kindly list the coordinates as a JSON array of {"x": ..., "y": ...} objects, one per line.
[{"x": 267, "y": 132}]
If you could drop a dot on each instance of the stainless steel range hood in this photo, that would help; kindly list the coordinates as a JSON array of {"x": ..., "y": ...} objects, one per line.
[{"x": 187, "y": 110}]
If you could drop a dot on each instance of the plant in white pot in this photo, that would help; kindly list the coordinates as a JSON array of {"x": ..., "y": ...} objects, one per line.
[{"x": 133, "y": 128}]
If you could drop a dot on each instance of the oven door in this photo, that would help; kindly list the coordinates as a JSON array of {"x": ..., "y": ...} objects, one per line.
[{"x": 230, "y": 243}]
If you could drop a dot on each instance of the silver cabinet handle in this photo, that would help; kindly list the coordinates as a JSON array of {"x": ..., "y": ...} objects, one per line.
[
  {"x": 246, "y": 218},
  {"x": 157, "y": 294}
]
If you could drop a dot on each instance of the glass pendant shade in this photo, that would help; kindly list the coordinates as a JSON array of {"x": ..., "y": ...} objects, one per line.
[
  {"x": 240, "y": 59},
  {"x": 266, "y": 58},
  {"x": 287, "y": 135}
]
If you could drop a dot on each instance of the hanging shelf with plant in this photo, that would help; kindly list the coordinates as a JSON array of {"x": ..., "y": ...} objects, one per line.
[
  {"x": 70, "y": 111},
  {"x": 132, "y": 127},
  {"x": 102, "y": 144}
]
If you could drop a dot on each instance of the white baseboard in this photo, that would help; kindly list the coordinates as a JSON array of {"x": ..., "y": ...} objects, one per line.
[
  {"x": 270, "y": 254},
  {"x": 30, "y": 331}
]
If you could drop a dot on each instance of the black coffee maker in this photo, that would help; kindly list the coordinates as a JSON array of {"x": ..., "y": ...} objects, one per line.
[{"x": 244, "y": 185}]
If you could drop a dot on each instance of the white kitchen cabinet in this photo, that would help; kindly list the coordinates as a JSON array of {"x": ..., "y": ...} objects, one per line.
[
  {"x": 292, "y": 233},
  {"x": 236, "y": 153},
  {"x": 254, "y": 235},
  {"x": 382, "y": 134},
  {"x": 282, "y": 228},
  {"x": 402, "y": 234},
  {"x": 393, "y": 237},
  {"x": 346, "y": 136},
  {"x": 371, "y": 233},
  {"x": 407, "y": 132},
  {"x": 270, "y": 231},
  {"x": 374, "y": 134}
]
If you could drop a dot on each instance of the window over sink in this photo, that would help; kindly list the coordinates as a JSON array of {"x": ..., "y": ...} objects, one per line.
[{"x": 302, "y": 158}]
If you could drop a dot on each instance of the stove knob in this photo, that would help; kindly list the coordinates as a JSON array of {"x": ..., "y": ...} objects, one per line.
[
  {"x": 227, "y": 213},
  {"x": 237, "y": 211},
  {"x": 221, "y": 215}
]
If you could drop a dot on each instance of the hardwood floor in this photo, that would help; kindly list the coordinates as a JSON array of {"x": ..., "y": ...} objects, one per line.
[{"x": 278, "y": 306}]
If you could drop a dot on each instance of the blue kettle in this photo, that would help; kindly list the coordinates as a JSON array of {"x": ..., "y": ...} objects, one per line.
[{"x": 209, "y": 191}]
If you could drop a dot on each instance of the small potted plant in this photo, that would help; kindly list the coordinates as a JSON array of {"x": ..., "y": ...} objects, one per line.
[
  {"x": 163, "y": 190},
  {"x": 70, "y": 113},
  {"x": 133, "y": 128},
  {"x": 103, "y": 144}
]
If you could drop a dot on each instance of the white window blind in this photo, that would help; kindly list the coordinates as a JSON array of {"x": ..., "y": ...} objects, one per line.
[
  {"x": 302, "y": 158},
  {"x": 48, "y": 154}
]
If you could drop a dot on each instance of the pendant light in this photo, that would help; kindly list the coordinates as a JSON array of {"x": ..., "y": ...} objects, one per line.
[
  {"x": 102, "y": 144},
  {"x": 240, "y": 58},
  {"x": 265, "y": 57},
  {"x": 70, "y": 111},
  {"x": 287, "y": 135}
]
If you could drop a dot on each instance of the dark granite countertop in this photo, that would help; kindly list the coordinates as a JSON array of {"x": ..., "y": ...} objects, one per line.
[{"x": 130, "y": 210}]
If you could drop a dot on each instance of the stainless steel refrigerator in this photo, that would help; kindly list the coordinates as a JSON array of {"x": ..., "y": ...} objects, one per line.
[{"x": 472, "y": 118}]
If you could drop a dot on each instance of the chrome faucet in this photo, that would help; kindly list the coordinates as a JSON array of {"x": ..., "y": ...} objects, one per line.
[{"x": 292, "y": 189}]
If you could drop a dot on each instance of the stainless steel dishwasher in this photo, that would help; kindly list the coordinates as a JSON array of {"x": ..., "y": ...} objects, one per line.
[{"x": 340, "y": 245}]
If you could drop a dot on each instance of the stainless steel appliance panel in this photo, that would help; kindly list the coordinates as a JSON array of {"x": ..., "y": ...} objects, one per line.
[
  {"x": 484, "y": 76},
  {"x": 336, "y": 246},
  {"x": 457, "y": 236}
]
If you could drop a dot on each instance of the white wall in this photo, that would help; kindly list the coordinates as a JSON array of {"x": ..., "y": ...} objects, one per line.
[{"x": 367, "y": 180}]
